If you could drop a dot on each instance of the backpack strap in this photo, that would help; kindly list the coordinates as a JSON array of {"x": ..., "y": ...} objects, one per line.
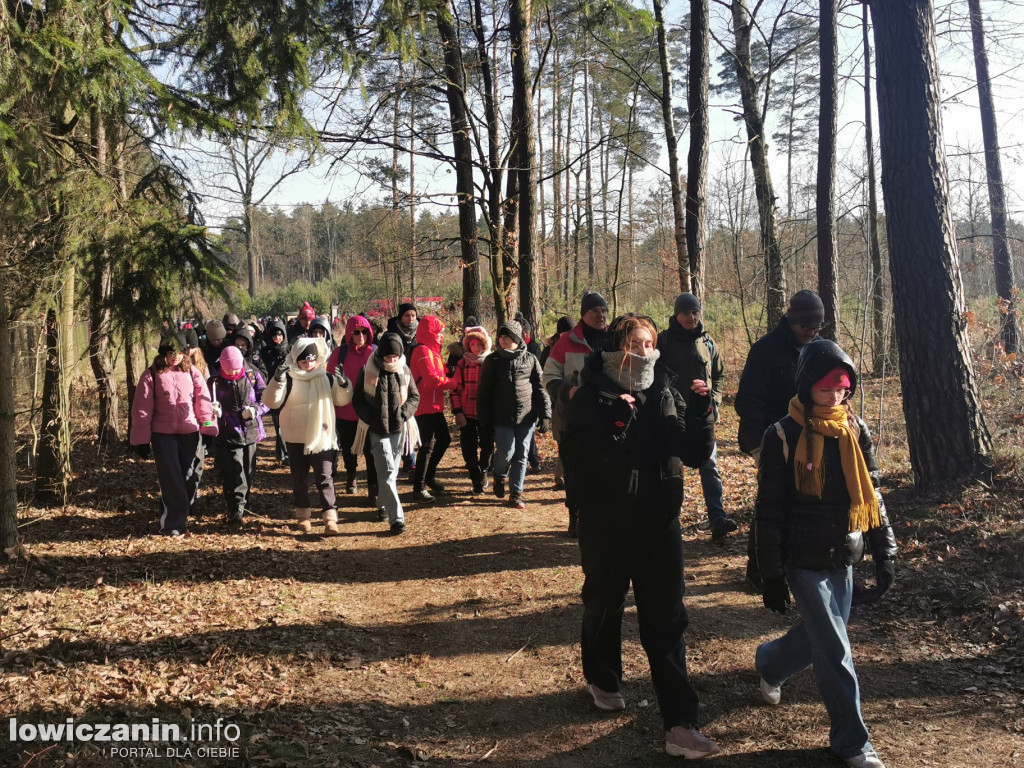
[{"x": 785, "y": 443}]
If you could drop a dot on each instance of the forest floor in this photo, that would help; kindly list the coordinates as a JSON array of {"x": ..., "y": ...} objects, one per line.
[{"x": 457, "y": 642}]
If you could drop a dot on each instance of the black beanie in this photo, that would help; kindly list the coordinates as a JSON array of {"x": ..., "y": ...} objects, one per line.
[
  {"x": 564, "y": 324},
  {"x": 592, "y": 301},
  {"x": 389, "y": 344},
  {"x": 191, "y": 339},
  {"x": 686, "y": 302},
  {"x": 472, "y": 321},
  {"x": 513, "y": 330},
  {"x": 174, "y": 342},
  {"x": 805, "y": 308},
  {"x": 405, "y": 307}
]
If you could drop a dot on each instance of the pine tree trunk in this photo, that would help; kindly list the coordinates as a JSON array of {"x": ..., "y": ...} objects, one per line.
[
  {"x": 522, "y": 131},
  {"x": 878, "y": 346},
  {"x": 461, "y": 139},
  {"x": 672, "y": 148},
  {"x": 828, "y": 287},
  {"x": 946, "y": 430},
  {"x": 8, "y": 443},
  {"x": 697, "y": 159},
  {"x": 53, "y": 463},
  {"x": 1002, "y": 260},
  {"x": 775, "y": 274},
  {"x": 588, "y": 146}
]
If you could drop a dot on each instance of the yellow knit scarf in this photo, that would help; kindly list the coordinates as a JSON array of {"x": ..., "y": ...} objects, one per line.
[{"x": 808, "y": 461}]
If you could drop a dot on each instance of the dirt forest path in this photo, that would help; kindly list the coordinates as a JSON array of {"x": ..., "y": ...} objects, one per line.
[{"x": 454, "y": 644}]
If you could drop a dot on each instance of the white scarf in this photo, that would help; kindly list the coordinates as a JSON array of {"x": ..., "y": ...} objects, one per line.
[
  {"x": 631, "y": 372},
  {"x": 320, "y": 434}
]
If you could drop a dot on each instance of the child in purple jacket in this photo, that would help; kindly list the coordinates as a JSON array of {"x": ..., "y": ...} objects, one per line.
[{"x": 236, "y": 391}]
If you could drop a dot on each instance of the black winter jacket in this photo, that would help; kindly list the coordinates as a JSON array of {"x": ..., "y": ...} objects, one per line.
[
  {"x": 627, "y": 460},
  {"x": 510, "y": 391},
  {"x": 767, "y": 384},
  {"x": 690, "y": 355},
  {"x": 804, "y": 531},
  {"x": 274, "y": 354},
  {"x": 381, "y": 410}
]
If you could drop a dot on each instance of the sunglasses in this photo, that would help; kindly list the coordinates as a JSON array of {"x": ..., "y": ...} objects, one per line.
[{"x": 363, "y": 332}]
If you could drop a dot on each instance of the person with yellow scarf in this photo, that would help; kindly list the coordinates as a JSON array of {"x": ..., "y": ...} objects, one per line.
[{"x": 818, "y": 507}]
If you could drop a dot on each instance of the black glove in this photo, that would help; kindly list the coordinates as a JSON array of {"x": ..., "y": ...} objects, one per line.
[
  {"x": 885, "y": 575},
  {"x": 281, "y": 373},
  {"x": 544, "y": 426},
  {"x": 341, "y": 379},
  {"x": 142, "y": 450},
  {"x": 776, "y": 595}
]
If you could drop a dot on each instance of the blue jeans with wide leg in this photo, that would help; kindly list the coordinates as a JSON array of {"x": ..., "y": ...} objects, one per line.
[
  {"x": 819, "y": 640},
  {"x": 511, "y": 445},
  {"x": 387, "y": 460}
]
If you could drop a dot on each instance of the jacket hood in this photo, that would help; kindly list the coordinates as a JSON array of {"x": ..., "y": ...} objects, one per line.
[
  {"x": 818, "y": 358},
  {"x": 302, "y": 346},
  {"x": 476, "y": 332},
  {"x": 428, "y": 333},
  {"x": 357, "y": 322},
  {"x": 321, "y": 322},
  {"x": 273, "y": 325},
  {"x": 245, "y": 332}
]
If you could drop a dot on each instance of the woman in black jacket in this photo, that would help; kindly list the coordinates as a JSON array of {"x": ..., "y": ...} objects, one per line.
[
  {"x": 628, "y": 435},
  {"x": 817, "y": 503}
]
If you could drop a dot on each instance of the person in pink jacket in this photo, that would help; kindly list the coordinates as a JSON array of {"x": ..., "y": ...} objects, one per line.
[
  {"x": 171, "y": 409},
  {"x": 428, "y": 372}
]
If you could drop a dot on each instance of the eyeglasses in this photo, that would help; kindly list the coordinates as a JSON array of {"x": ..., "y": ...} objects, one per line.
[{"x": 362, "y": 332}]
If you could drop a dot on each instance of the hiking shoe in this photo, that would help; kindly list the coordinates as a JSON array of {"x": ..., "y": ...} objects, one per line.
[
  {"x": 689, "y": 743},
  {"x": 499, "y": 487},
  {"x": 867, "y": 759},
  {"x": 382, "y": 514},
  {"x": 478, "y": 487},
  {"x": 721, "y": 529},
  {"x": 608, "y": 702},
  {"x": 772, "y": 694},
  {"x": 434, "y": 485},
  {"x": 351, "y": 487},
  {"x": 558, "y": 486},
  {"x": 516, "y": 501},
  {"x": 422, "y": 495},
  {"x": 397, "y": 527}
]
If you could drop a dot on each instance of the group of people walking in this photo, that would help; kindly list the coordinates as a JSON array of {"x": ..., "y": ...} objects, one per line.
[{"x": 630, "y": 408}]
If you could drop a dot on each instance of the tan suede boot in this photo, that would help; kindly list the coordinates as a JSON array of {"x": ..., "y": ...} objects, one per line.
[
  {"x": 331, "y": 522},
  {"x": 302, "y": 515}
]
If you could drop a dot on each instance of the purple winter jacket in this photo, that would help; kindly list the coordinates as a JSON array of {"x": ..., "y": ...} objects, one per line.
[{"x": 233, "y": 397}]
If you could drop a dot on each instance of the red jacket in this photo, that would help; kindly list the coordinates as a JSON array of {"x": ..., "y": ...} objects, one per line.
[{"x": 427, "y": 366}]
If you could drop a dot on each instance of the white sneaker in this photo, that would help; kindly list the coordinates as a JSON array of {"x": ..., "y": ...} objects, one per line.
[
  {"x": 867, "y": 759},
  {"x": 772, "y": 694},
  {"x": 609, "y": 702},
  {"x": 689, "y": 743}
]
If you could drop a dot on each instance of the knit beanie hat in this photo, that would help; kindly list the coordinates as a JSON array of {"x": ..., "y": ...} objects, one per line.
[
  {"x": 513, "y": 330},
  {"x": 307, "y": 312},
  {"x": 686, "y": 302},
  {"x": 231, "y": 360},
  {"x": 389, "y": 344},
  {"x": 592, "y": 301},
  {"x": 191, "y": 338},
  {"x": 564, "y": 324},
  {"x": 231, "y": 321},
  {"x": 173, "y": 342},
  {"x": 405, "y": 307},
  {"x": 805, "y": 308},
  {"x": 471, "y": 321},
  {"x": 837, "y": 377},
  {"x": 215, "y": 331}
]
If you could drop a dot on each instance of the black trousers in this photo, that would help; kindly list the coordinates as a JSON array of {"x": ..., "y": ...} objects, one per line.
[
  {"x": 619, "y": 549},
  {"x": 346, "y": 435},
  {"x": 477, "y": 444},
  {"x": 237, "y": 466},
  {"x": 434, "y": 441},
  {"x": 322, "y": 465}
]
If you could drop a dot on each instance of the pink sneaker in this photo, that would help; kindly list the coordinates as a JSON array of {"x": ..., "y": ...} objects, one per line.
[
  {"x": 609, "y": 702},
  {"x": 689, "y": 743}
]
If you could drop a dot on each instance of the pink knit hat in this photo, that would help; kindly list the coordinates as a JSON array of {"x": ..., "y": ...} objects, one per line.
[
  {"x": 231, "y": 359},
  {"x": 837, "y": 377}
]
